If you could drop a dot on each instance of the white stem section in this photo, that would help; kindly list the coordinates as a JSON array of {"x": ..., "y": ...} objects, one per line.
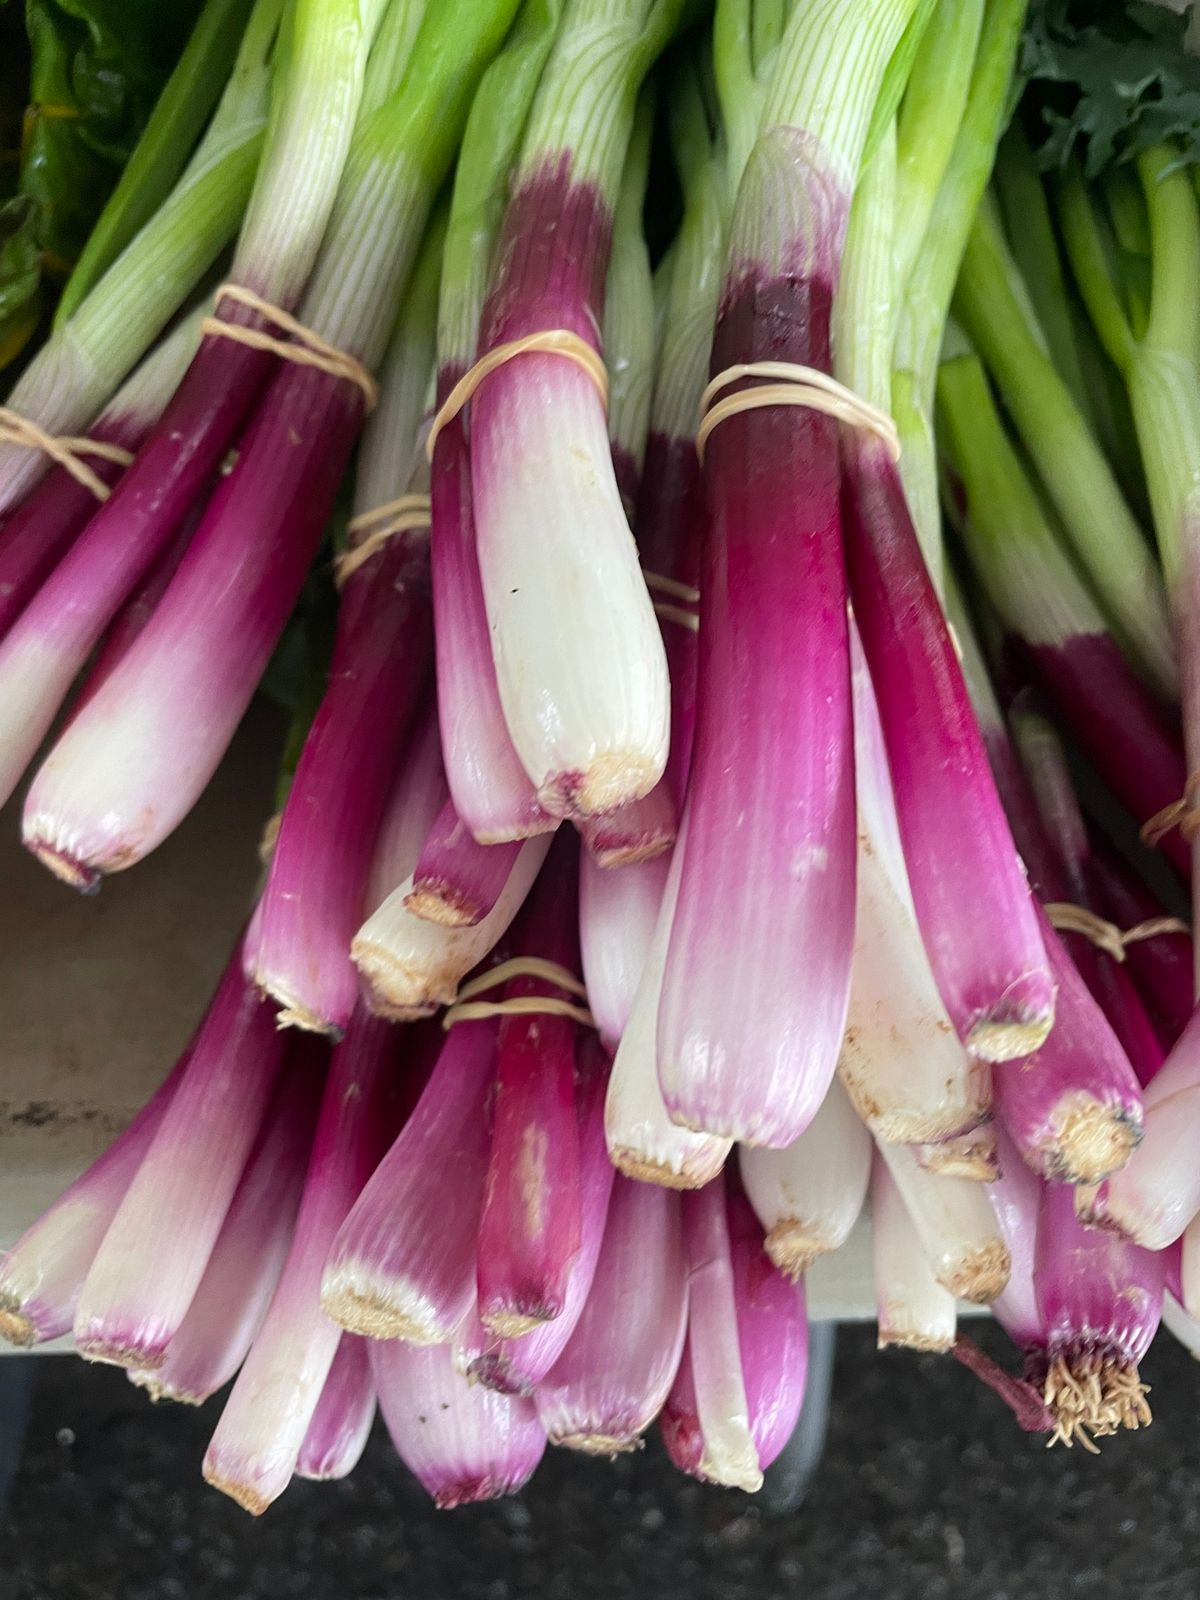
[
  {"x": 643, "y": 1142},
  {"x": 580, "y": 663},
  {"x": 913, "y": 1308},
  {"x": 902, "y": 1062},
  {"x": 1189, "y": 1268},
  {"x": 409, "y": 966},
  {"x": 809, "y": 1195},
  {"x": 1156, "y": 1194},
  {"x": 618, "y": 912},
  {"x": 418, "y": 794},
  {"x": 956, "y": 1226}
]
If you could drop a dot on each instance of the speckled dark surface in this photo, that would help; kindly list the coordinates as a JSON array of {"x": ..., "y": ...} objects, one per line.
[{"x": 925, "y": 1491}]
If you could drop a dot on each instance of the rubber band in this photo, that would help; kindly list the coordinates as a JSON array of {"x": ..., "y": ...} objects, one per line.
[
  {"x": 468, "y": 1009},
  {"x": 680, "y": 614},
  {"x": 550, "y": 341},
  {"x": 304, "y": 347},
  {"x": 657, "y": 583},
  {"x": 1182, "y": 813},
  {"x": 1105, "y": 935},
  {"x": 796, "y": 386},
  {"x": 380, "y": 525},
  {"x": 63, "y": 449}
]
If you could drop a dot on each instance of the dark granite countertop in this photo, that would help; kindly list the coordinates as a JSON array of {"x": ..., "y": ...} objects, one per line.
[{"x": 925, "y": 1491}]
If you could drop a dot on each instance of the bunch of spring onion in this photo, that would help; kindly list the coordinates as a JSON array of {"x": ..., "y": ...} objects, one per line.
[{"x": 664, "y": 792}]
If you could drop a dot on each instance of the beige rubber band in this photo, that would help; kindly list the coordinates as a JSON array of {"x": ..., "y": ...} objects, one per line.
[
  {"x": 670, "y": 613},
  {"x": 657, "y": 583},
  {"x": 380, "y": 525},
  {"x": 551, "y": 341},
  {"x": 468, "y": 1009},
  {"x": 796, "y": 385},
  {"x": 64, "y": 449},
  {"x": 1182, "y": 813},
  {"x": 1106, "y": 935},
  {"x": 305, "y": 348}
]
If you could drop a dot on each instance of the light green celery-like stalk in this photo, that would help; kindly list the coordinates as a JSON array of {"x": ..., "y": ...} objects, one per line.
[
  {"x": 895, "y": 77},
  {"x": 1102, "y": 530},
  {"x": 926, "y": 296},
  {"x": 831, "y": 69},
  {"x": 83, "y": 361},
  {"x": 325, "y": 44},
  {"x": 863, "y": 308},
  {"x": 161, "y": 153},
  {"x": 585, "y": 102},
  {"x": 927, "y": 125},
  {"x": 1009, "y": 540},
  {"x": 694, "y": 289},
  {"x": 390, "y": 52},
  {"x": 400, "y": 155},
  {"x": 391, "y": 445},
  {"x": 628, "y": 323},
  {"x": 495, "y": 128},
  {"x": 740, "y": 89},
  {"x": 766, "y": 31}
]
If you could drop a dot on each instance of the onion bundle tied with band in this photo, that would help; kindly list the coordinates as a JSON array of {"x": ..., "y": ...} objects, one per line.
[{"x": 710, "y": 826}]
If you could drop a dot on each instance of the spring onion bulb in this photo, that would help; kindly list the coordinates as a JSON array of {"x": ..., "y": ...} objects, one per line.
[
  {"x": 232, "y": 1297},
  {"x": 462, "y": 1442},
  {"x": 809, "y": 1195},
  {"x": 417, "y": 795},
  {"x": 618, "y": 911},
  {"x": 456, "y": 880},
  {"x": 963, "y": 1155},
  {"x": 914, "y": 1310},
  {"x": 341, "y": 1424},
  {"x": 612, "y": 1379},
  {"x": 955, "y": 1224},
  {"x": 254, "y": 1450}
]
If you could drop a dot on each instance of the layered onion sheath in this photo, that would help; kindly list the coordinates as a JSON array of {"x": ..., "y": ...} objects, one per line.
[
  {"x": 991, "y": 971},
  {"x": 758, "y": 970}
]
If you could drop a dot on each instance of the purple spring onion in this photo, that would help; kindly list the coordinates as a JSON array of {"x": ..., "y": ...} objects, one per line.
[
  {"x": 1074, "y": 1109},
  {"x": 41, "y": 1276},
  {"x": 418, "y": 794},
  {"x": 156, "y": 1249},
  {"x": 530, "y": 1227},
  {"x": 253, "y": 1453},
  {"x": 740, "y": 1384},
  {"x": 517, "y": 1366},
  {"x": 284, "y": 224},
  {"x": 402, "y": 1265},
  {"x": 232, "y": 1297},
  {"x": 1162, "y": 966},
  {"x": 636, "y": 832},
  {"x": 758, "y": 970},
  {"x": 456, "y": 880},
  {"x": 341, "y": 1424},
  {"x": 579, "y": 659},
  {"x": 965, "y": 1155},
  {"x": 618, "y": 911},
  {"x": 462, "y": 1442},
  {"x": 1100, "y": 1299},
  {"x": 991, "y": 971},
  {"x": 1156, "y": 1195},
  {"x": 613, "y": 1377},
  {"x": 809, "y": 1195},
  {"x": 43, "y": 527},
  {"x": 914, "y": 1310},
  {"x": 901, "y": 1061},
  {"x": 492, "y": 792},
  {"x": 955, "y": 1224},
  {"x": 314, "y": 894},
  {"x": 125, "y": 772},
  {"x": 408, "y": 966},
  {"x": 643, "y": 1141}
]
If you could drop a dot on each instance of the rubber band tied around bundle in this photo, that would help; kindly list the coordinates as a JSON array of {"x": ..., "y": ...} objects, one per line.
[
  {"x": 549, "y": 342},
  {"x": 1106, "y": 935},
  {"x": 793, "y": 385},
  {"x": 65, "y": 450},
  {"x": 657, "y": 583},
  {"x": 302, "y": 345},
  {"x": 1183, "y": 813},
  {"x": 406, "y": 512},
  {"x": 468, "y": 1009}
]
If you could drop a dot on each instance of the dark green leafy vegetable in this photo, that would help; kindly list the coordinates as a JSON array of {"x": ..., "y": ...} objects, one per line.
[
  {"x": 96, "y": 69},
  {"x": 1107, "y": 79}
]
